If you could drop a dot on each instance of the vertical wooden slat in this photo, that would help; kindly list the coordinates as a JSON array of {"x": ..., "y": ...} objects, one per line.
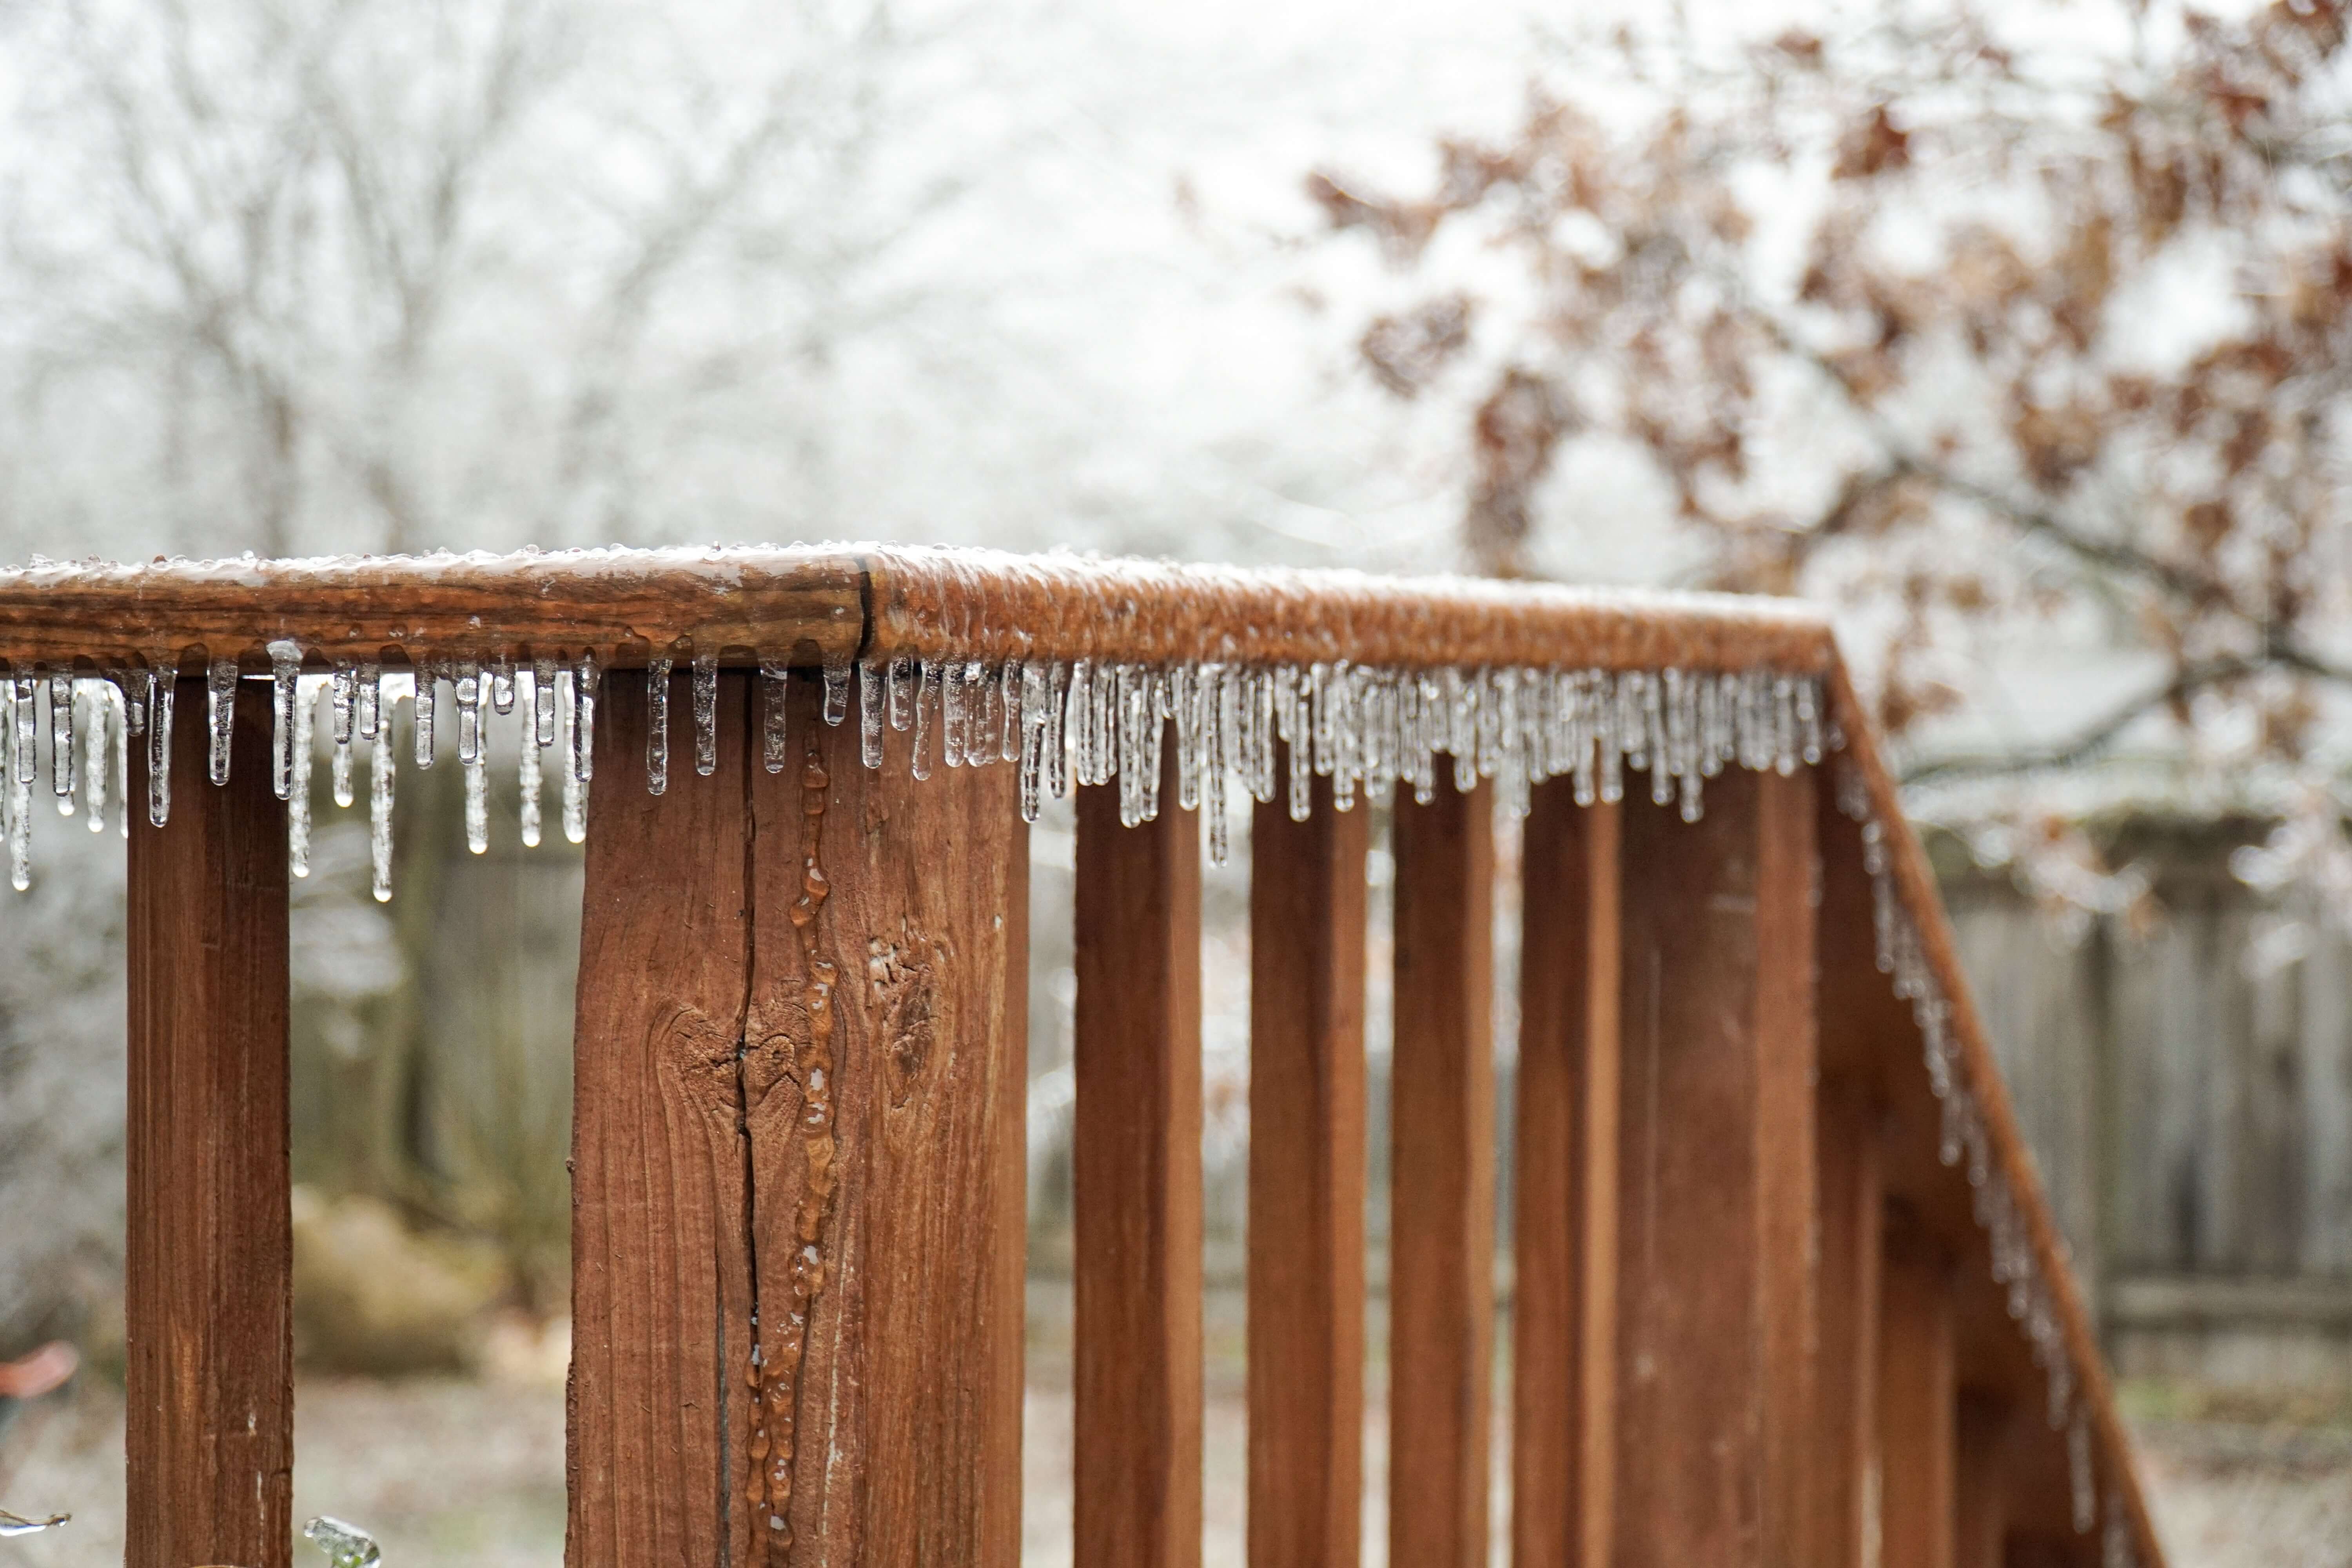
[
  {"x": 660, "y": 1280},
  {"x": 1717, "y": 1153},
  {"x": 1442, "y": 1176},
  {"x": 1136, "y": 1184},
  {"x": 884, "y": 1092},
  {"x": 1853, "y": 1205},
  {"x": 1916, "y": 1410},
  {"x": 209, "y": 1433},
  {"x": 1980, "y": 1517},
  {"x": 1564, "y": 1311},
  {"x": 1306, "y": 1184}
]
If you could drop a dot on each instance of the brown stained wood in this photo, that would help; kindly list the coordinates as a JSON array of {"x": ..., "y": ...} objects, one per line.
[
  {"x": 1306, "y": 1170},
  {"x": 1846, "y": 1411},
  {"x": 1980, "y": 1489},
  {"x": 661, "y": 1290},
  {"x": 1917, "y": 1421},
  {"x": 209, "y": 1355},
  {"x": 1564, "y": 1311},
  {"x": 1442, "y": 1181},
  {"x": 736, "y": 603},
  {"x": 1714, "y": 1386},
  {"x": 1136, "y": 1184},
  {"x": 886, "y": 1084}
]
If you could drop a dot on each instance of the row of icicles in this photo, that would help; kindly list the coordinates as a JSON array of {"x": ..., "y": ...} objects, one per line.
[{"x": 1367, "y": 729}]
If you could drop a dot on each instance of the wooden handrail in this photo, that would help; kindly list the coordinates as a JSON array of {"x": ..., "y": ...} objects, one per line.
[{"x": 1959, "y": 1159}]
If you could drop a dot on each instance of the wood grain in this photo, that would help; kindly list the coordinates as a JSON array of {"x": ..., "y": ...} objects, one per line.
[
  {"x": 1917, "y": 1416},
  {"x": 1442, "y": 1181},
  {"x": 1564, "y": 1311},
  {"x": 1714, "y": 1256},
  {"x": 1136, "y": 1184},
  {"x": 884, "y": 1092},
  {"x": 1980, "y": 1489},
  {"x": 661, "y": 1286},
  {"x": 208, "y": 1312},
  {"x": 1846, "y": 1424},
  {"x": 1306, "y": 1174}
]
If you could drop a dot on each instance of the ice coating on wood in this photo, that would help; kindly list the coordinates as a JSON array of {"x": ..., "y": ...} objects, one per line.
[
  {"x": 14, "y": 1525},
  {"x": 346, "y": 1546}
]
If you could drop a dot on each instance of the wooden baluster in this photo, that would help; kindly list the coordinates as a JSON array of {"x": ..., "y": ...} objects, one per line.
[
  {"x": 1854, "y": 1203},
  {"x": 1979, "y": 1494},
  {"x": 1564, "y": 1313},
  {"x": 208, "y": 1311},
  {"x": 1306, "y": 1184},
  {"x": 1717, "y": 1156},
  {"x": 1136, "y": 1183},
  {"x": 1442, "y": 1176},
  {"x": 1916, "y": 1418},
  {"x": 902, "y": 906},
  {"x": 799, "y": 1099},
  {"x": 661, "y": 1288}
]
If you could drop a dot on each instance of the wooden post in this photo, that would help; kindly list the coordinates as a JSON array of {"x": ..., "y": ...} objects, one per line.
[
  {"x": 1916, "y": 1408},
  {"x": 1979, "y": 1514},
  {"x": 1442, "y": 1181},
  {"x": 799, "y": 1103},
  {"x": 1717, "y": 1156},
  {"x": 1564, "y": 1315},
  {"x": 1306, "y": 1184},
  {"x": 1853, "y": 1209},
  {"x": 208, "y": 1309},
  {"x": 1136, "y": 1183}
]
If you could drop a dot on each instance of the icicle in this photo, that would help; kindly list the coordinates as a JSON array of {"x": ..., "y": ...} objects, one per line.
[
  {"x": 870, "y": 700},
  {"x": 14, "y": 1524},
  {"x": 1036, "y": 697},
  {"x": 341, "y": 774},
  {"x": 528, "y": 765},
  {"x": 837, "y": 689},
  {"x": 94, "y": 763},
  {"x": 982, "y": 724},
  {"x": 902, "y": 693},
  {"x": 123, "y": 733},
  {"x": 1078, "y": 726},
  {"x": 423, "y": 710},
  {"x": 1809, "y": 719},
  {"x": 1181, "y": 683},
  {"x": 465, "y": 685},
  {"x": 775, "y": 698},
  {"x": 161, "y": 688},
  {"x": 344, "y": 690},
  {"x": 955, "y": 707},
  {"x": 657, "y": 725},
  {"x": 927, "y": 702},
  {"x": 1057, "y": 756},
  {"x": 61, "y": 740},
  {"x": 478, "y": 803},
  {"x": 542, "y": 701},
  {"x": 297, "y": 794},
  {"x": 1012, "y": 690},
  {"x": 220, "y": 707},
  {"x": 346, "y": 1546},
  {"x": 18, "y": 804},
  {"x": 578, "y": 752},
  {"x": 369, "y": 701},
  {"x": 706, "y": 715},
  {"x": 502, "y": 684},
  {"x": 2085, "y": 1485},
  {"x": 2115, "y": 1548},
  {"x": 381, "y": 762}
]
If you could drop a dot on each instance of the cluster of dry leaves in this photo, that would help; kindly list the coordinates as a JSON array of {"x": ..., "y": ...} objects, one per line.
[{"x": 2033, "y": 343}]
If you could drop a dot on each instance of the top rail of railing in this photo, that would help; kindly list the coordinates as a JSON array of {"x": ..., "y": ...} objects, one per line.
[{"x": 834, "y": 603}]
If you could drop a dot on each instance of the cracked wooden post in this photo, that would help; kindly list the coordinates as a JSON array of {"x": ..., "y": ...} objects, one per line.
[
  {"x": 208, "y": 1260},
  {"x": 800, "y": 1086}
]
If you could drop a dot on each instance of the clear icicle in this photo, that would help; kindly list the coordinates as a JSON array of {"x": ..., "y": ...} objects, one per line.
[
  {"x": 955, "y": 727},
  {"x": 161, "y": 688},
  {"x": 870, "y": 703},
  {"x": 343, "y": 701},
  {"x": 502, "y": 684},
  {"x": 94, "y": 758},
  {"x": 836, "y": 691},
  {"x": 478, "y": 803},
  {"x": 902, "y": 693},
  {"x": 342, "y": 772},
  {"x": 775, "y": 701},
  {"x": 465, "y": 685},
  {"x": 927, "y": 703},
  {"x": 18, "y": 804},
  {"x": 657, "y": 725},
  {"x": 528, "y": 765},
  {"x": 705, "y": 715},
  {"x": 1012, "y": 682},
  {"x": 123, "y": 733},
  {"x": 579, "y": 717},
  {"x": 298, "y": 796},
  {"x": 542, "y": 702},
  {"x": 346, "y": 1546},
  {"x": 220, "y": 711},
  {"x": 285, "y": 673},
  {"x": 61, "y": 740},
  {"x": 423, "y": 708},
  {"x": 370, "y": 700},
  {"x": 381, "y": 760},
  {"x": 1036, "y": 703}
]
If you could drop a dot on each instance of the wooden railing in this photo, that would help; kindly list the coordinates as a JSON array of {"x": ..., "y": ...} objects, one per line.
[{"x": 1785, "y": 1288}]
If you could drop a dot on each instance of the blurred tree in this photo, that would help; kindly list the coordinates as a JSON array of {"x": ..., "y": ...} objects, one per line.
[{"x": 1995, "y": 346}]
